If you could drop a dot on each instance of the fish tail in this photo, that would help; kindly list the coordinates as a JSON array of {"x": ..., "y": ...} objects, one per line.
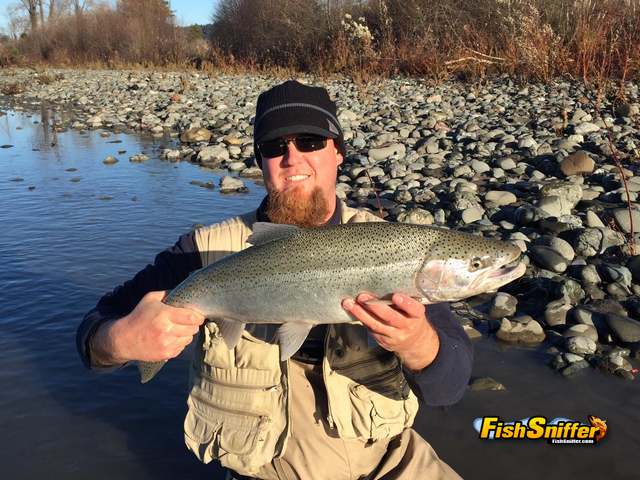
[{"x": 148, "y": 370}]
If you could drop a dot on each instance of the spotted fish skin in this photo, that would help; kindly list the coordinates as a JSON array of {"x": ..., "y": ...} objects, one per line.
[{"x": 303, "y": 277}]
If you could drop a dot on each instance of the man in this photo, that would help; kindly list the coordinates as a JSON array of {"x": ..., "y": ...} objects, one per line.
[{"x": 338, "y": 408}]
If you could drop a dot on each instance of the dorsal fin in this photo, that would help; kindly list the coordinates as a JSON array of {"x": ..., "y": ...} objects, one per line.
[{"x": 264, "y": 232}]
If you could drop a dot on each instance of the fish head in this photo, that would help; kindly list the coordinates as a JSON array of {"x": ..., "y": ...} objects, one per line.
[{"x": 464, "y": 265}]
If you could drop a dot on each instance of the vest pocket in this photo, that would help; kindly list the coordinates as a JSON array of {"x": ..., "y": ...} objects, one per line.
[
  {"x": 374, "y": 414},
  {"x": 240, "y": 437},
  {"x": 224, "y": 432}
]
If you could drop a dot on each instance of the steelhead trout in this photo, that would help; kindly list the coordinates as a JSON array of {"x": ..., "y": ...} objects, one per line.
[{"x": 298, "y": 277}]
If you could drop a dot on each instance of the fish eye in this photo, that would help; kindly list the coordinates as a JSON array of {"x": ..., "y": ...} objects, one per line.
[{"x": 476, "y": 264}]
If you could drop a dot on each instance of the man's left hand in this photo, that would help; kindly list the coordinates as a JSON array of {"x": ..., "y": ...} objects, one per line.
[{"x": 402, "y": 327}]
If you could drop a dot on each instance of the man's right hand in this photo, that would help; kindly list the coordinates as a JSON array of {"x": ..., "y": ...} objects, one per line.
[{"x": 152, "y": 332}]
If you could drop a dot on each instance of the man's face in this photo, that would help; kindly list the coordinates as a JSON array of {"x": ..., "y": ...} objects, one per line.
[{"x": 302, "y": 185}]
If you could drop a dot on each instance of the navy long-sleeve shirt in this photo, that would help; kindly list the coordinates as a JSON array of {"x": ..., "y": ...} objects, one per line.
[{"x": 443, "y": 382}]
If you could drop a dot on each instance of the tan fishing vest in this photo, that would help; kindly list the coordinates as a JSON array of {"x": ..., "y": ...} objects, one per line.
[{"x": 238, "y": 409}]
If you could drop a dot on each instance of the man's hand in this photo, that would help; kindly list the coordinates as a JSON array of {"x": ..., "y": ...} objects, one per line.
[
  {"x": 401, "y": 328},
  {"x": 153, "y": 331}
]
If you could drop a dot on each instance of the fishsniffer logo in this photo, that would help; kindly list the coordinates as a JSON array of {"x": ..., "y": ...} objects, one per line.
[{"x": 556, "y": 431}]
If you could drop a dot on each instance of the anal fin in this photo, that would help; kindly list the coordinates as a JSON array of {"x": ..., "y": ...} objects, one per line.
[
  {"x": 148, "y": 370},
  {"x": 230, "y": 331},
  {"x": 291, "y": 336}
]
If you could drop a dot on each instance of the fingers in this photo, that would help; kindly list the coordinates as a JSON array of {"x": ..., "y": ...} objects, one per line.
[
  {"x": 185, "y": 316},
  {"x": 410, "y": 306},
  {"x": 367, "y": 318},
  {"x": 156, "y": 296},
  {"x": 182, "y": 330},
  {"x": 386, "y": 313}
]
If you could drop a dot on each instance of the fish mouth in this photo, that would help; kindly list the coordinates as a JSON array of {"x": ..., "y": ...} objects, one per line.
[{"x": 513, "y": 269}]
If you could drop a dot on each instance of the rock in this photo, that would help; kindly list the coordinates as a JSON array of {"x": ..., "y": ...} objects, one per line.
[
  {"x": 574, "y": 368},
  {"x": 626, "y": 109},
  {"x": 517, "y": 332},
  {"x": 507, "y": 164},
  {"x": 485, "y": 383},
  {"x": 473, "y": 214},
  {"x": 471, "y": 332},
  {"x": 141, "y": 157},
  {"x": 556, "y": 312},
  {"x": 586, "y": 242},
  {"x": 559, "y": 245},
  {"x": 589, "y": 275},
  {"x": 588, "y": 331},
  {"x": 503, "y": 305},
  {"x": 208, "y": 185},
  {"x": 581, "y": 345},
  {"x": 378, "y": 154},
  {"x": 570, "y": 192},
  {"x": 624, "y": 328},
  {"x": 171, "y": 154},
  {"x": 213, "y": 156},
  {"x": 232, "y": 140},
  {"x": 615, "y": 273},
  {"x": 585, "y": 128},
  {"x": 577, "y": 163},
  {"x": 232, "y": 185},
  {"x": 633, "y": 264},
  {"x": 236, "y": 166},
  {"x": 570, "y": 290},
  {"x": 480, "y": 166},
  {"x": 528, "y": 142},
  {"x": 593, "y": 220},
  {"x": 621, "y": 216},
  {"x": 548, "y": 258},
  {"x": 417, "y": 216},
  {"x": 110, "y": 160},
  {"x": 251, "y": 172},
  {"x": 194, "y": 135},
  {"x": 500, "y": 198}
]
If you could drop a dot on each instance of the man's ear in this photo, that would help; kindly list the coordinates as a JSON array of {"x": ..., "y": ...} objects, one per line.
[{"x": 339, "y": 157}]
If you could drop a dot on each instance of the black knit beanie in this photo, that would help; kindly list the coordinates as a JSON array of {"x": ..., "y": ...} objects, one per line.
[{"x": 292, "y": 108}]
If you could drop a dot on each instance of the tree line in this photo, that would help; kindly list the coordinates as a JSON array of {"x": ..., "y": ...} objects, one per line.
[{"x": 532, "y": 39}]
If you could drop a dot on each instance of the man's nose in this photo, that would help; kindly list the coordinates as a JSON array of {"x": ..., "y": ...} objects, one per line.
[{"x": 292, "y": 155}]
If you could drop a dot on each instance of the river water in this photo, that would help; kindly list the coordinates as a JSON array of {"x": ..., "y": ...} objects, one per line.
[{"x": 67, "y": 237}]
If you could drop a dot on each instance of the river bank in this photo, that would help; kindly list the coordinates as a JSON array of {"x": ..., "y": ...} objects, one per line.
[{"x": 539, "y": 165}]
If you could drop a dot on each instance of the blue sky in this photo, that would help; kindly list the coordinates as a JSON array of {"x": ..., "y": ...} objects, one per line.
[{"x": 187, "y": 11}]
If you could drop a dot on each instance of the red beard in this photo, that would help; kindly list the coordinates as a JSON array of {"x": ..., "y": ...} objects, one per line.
[{"x": 289, "y": 208}]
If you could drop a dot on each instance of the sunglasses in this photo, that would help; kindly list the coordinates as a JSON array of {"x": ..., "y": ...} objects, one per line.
[{"x": 280, "y": 146}]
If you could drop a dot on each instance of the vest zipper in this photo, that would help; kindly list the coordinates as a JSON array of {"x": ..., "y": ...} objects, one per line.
[
  {"x": 224, "y": 409},
  {"x": 212, "y": 379}
]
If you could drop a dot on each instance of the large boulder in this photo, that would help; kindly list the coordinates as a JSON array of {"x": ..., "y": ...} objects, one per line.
[
  {"x": 213, "y": 155},
  {"x": 577, "y": 163},
  {"x": 194, "y": 135}
]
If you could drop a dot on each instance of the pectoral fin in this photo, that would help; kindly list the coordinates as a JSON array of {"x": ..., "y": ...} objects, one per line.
[
  {"x": 291, "y": 336},
  {"x": 230, "y": 331},
  {"x": 148, "y": 370}
]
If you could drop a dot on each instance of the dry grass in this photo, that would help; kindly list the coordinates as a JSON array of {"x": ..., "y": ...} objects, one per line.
[
  {"x": 528, "y": 39},
  {"x": 13, "y": 88}
]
